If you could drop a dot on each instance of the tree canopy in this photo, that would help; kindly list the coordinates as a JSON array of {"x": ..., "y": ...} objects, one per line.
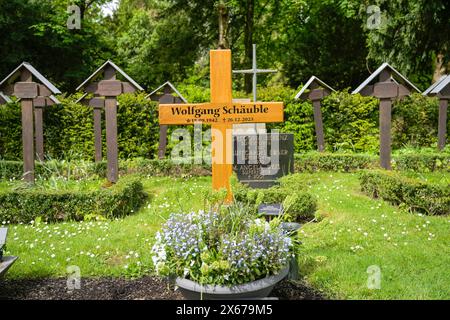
[{"x": 159, "y": 40}]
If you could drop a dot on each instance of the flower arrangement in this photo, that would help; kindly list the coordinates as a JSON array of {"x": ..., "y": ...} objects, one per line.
[{"x": 225, "y": 247}]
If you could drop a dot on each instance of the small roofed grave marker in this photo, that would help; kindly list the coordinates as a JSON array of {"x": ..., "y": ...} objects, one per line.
[
  {"x": 315, "y": 90},
  {"x": 164, "y": 94},
  {"x": 105, "y": 93},
  {"x": 35, "y": 92},
  {"x": 386, "y": 84},
  {"x": 441, "y": 89},
  {"x": 221, "y": 113}
]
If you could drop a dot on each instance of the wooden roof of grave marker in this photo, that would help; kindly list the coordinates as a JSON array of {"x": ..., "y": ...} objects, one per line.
[
  {"x": 315, "y": 90},
  {"x": 441, "y": 89},
  {"x": 4, "y": 98},
  {"x": 34, "y": 92},
  {"x": 168, "y": 88},
  {"x": 386, "y": 84},
  {"x": 164, "y": 94},
  {"x": 105, "y": 93}
]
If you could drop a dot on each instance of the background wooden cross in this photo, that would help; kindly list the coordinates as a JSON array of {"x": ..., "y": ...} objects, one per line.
[
  {"x": 315, "y": 90},
  {"x": 170, "y": 95},
  {"x": 109, "y": 88},
  {"x": 35, "y": 92},
  {"x": 221, "y": 131},
  {"x": 441, "y": 89},
  {"x": 386, "y": 84}
]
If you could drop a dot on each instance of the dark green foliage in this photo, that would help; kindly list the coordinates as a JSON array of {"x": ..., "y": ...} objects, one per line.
[
  {"x": 25, "y": 205},
  {"x": 415, "y": 120},
  {"x": 10, "y": 131},
  {"x": 399, "y": 190},
  {"x": 322, "y": 39}
]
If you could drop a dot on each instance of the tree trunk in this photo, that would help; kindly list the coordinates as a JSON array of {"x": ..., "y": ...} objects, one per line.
[
  {"x": 223, "y": 26},
  {"x": 248, "y": 43}
]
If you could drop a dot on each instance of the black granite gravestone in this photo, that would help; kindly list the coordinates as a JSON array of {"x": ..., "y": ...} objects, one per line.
[{"x": 257, "y": 163}]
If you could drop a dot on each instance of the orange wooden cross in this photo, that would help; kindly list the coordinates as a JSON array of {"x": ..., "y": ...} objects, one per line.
[{"x": 221, "y": 113}]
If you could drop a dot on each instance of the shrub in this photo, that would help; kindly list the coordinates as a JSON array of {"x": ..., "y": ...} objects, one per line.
[
  {"x": 399, "y": 190},
  {"x": 300, "y": 207},
  {"x": 25, "y": 205},
  {"x": 298, "y": 204},
  {"x": 414, "y": 121}
]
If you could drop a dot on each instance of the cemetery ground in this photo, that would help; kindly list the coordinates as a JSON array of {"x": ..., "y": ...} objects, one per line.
[{"x": 351, "y": 232}]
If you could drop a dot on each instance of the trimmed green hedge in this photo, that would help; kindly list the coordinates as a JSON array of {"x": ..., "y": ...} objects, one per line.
[
  {"x": 399, "y": 190},
  {"x": 25, "y": 205},
  {"x": 348, "y": 162}
]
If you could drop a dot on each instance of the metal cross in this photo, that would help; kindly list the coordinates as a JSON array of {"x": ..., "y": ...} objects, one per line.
[{"x": 255, "y": 72}]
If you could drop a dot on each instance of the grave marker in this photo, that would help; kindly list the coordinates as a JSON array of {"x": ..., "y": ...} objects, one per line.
[
  {"x": 34, "y": 96},
  {"x": 108, "y": 89},
  {"x": 221, "y": 113},
  {"x": 318, "y": 91},
  {"x": 166, "y": 97},
  {"x": 386, "y": 84},
  {"x": 441, "y": 89}
]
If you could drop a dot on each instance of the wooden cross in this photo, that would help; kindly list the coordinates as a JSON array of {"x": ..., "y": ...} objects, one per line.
[
  {"x": 318, "y": 91},
  {"x": 165, "y": 98},
  {"x": 35, "y": 92},
  {"x": 221, "y": 113},
  {"x": 441, "y": 89},
  {"x": 386, "y": 89},
  {"x": 109, "y": 88}
]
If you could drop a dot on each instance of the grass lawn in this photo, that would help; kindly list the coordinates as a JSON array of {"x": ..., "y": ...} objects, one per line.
[
  {"x": 119, "y": 248},
  {"x": 412, "y": 251}
]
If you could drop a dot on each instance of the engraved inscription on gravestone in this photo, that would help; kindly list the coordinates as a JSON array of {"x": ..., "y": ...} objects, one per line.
[{"x": 256, "y": 164}]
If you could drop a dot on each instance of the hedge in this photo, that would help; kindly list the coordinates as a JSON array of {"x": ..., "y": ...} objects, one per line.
[
  {"x": 417, "y": 195},
  {"x": 348, "y": 162},
  {"x": 308, "y": 162},
  {"x": 25, "y": 205}
]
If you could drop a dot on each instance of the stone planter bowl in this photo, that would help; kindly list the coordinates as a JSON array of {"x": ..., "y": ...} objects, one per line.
[{"x": 192, "y": 290}]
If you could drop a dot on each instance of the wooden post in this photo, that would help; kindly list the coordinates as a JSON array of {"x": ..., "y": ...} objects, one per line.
[
  {"x": 28, "y": 130},
  {"x": 319, "y": 125},
  {"x": 98, "y": 134},
  {"x": 162, "y": 140},
  {"x": 28, "y": 139},
  {"x": 222, "y": 169},
  {"x": 442, "y": 128},
  {"x": 166, "y": 98},
  {"x": 111, "y": 139},
  {"x": 39, "y": 132},
  {"x": 385, "y": 133}
]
